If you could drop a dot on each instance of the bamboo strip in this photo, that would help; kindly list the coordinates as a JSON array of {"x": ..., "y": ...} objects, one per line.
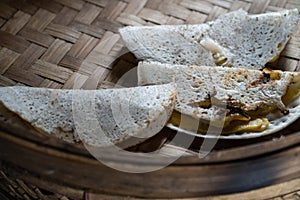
[
  {"x": 36, "y": 37},
  {"x": 16, "y": 23},
  {"x": 63, "y": 32},
  {"x": 15, "y": 43},
  {"x": 7, "y": 58},
  {"x": 75, "y": 4},
  {"x": 47, "y": 5},
  {"x": 56, "y": 51},
  {"x": 51, "y": 71},
  {"x": 65, "y": 16},
  {"x": 84, "y": 45},
  {"x": 6, "y": 11},
  {"x": 88, "y": 13},
  {"x": 32, "y": 53},
  {"x": 40, "y": 20}
]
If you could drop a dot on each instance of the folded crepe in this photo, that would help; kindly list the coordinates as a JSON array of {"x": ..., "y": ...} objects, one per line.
[
  {"x": 240, "y": 98},
  {"x": 236, "y": 39},
  {"x": 125, "y": 116}
]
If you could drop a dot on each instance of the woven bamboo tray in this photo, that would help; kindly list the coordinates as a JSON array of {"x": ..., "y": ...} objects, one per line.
[{"x": 67, "y": 44}]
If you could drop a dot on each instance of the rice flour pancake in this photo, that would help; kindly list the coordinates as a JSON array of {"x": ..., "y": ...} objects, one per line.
[
  {"x": 122, "y": 114},
  {"x": 236, "y": 39}
]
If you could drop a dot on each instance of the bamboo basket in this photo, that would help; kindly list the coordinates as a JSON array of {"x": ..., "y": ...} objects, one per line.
[{"x": 67, "y": 44}]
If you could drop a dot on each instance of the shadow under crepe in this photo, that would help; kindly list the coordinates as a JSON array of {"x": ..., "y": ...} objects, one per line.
[{"x": 123, "y": 73}]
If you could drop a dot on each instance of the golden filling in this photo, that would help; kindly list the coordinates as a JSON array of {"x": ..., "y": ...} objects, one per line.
[
  {"x": 236, "y": 120},
  {"x": 230, "y": 127}
]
